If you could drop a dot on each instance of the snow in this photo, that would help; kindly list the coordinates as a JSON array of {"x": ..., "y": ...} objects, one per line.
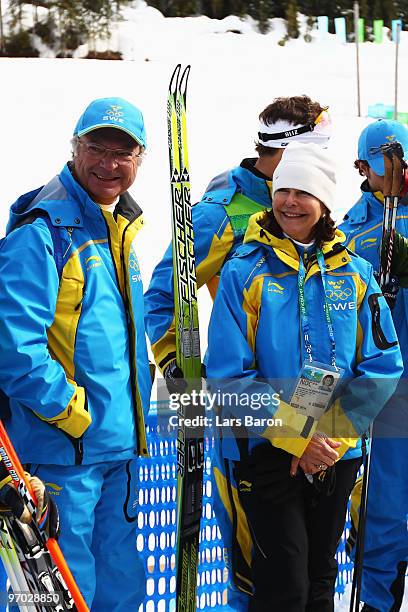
[
  {"x": 343, "y": 604},
  {"x": 233, "y": 77}
]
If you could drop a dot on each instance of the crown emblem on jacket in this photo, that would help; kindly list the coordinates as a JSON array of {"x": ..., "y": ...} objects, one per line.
[{"x": 336, "y": 284}]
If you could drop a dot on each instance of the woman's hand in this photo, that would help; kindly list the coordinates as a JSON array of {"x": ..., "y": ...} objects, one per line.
[{"x": 319, "y": 454}]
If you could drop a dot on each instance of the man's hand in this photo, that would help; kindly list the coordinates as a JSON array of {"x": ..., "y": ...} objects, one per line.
[
  {"x": 390, "y": 290},
  {"x": 12, "y": 502},
  {"x": 75, "y": 418},
  {"x": 47, "y": 511},
  {"x": 174, "y": 378},
  {"x": 399, "y": 262},
  {"x": 319, "y": 454},
  {"x": 399, "y": 269}
]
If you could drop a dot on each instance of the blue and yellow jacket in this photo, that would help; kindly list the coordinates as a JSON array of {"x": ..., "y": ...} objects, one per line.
[
  {"x": 220, "y": 220},
  {"x": 363, "y": 228},
  {"x": 255, "y": 334},
  {"x": 73, "y": 356}
]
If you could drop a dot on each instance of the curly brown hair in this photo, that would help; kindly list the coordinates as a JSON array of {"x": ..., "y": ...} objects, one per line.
[
  {"x": 357, "y": 165},
  {"x": 296, "y": 109},
  {"x": 325, "y": 228}
]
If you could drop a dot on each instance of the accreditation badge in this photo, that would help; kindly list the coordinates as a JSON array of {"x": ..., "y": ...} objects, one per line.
[{"x": 314, "y": 388}]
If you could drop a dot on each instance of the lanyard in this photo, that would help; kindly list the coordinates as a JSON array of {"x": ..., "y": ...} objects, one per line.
[{"x": 304, "y": 317}]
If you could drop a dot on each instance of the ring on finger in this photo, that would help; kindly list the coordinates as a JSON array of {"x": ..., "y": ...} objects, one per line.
[{"x": 321, "y": 466}]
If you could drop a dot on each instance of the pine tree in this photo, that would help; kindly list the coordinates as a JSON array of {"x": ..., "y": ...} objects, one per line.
[
  {"x": 214, "y": 9},
  {"x": 160, "y": 5},
  {"x": 389, "y": 12},
  {"x": 175, "y": 8},
  {"x": 292, "y": 24},
  {"x": 263, "y": 15},
  {"x": 364, "y": 10},
  {"x": 77, "y": 21},
  {"x": 2, "y": 41},
  {"x": 16, "y": 13},
  {"x": 377, "y": 12},
  {"x": 401, "y": 10}
]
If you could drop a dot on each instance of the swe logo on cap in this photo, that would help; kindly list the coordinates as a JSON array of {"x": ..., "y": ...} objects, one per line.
[{"x": 114, "y": 113}]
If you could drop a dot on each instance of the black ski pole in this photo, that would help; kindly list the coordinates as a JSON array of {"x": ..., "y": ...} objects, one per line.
[
  {"x": 358, "y": 559},
  {"x": 394, "y": 167}
]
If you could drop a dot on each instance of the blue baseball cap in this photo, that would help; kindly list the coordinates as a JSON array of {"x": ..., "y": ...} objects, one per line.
[
  {"x": 376, "y": 134},
  {"x": 112, "y": 113}
]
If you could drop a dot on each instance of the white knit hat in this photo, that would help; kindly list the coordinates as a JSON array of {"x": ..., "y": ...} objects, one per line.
[{"x": 307, "y": 167}]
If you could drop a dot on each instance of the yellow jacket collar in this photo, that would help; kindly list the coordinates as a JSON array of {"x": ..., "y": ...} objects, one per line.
[
  {"x": 379, "y": 195},
  {"x": 287, "y": 252}
]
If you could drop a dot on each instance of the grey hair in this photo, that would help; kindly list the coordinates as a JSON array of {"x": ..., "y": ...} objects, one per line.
[{"x": 74, "y": 145}]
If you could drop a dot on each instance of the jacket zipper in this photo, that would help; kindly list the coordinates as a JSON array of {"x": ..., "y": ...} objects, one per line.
[
  {"x": 131, "y": 334},
  {"x": 79, "y": 451},
  {"x": 78, "y": 444},
  {"x": 126, "y": 304}
]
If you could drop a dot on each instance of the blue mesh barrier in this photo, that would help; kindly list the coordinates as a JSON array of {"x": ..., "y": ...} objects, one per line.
[{"x": 157, "y": 524}]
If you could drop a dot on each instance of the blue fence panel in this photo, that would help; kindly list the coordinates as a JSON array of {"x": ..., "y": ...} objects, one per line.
[{"x": 157, "y": 522}]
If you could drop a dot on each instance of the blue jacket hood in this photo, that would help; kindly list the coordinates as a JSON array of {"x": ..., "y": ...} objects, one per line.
[{"x": 56, "y": 199}]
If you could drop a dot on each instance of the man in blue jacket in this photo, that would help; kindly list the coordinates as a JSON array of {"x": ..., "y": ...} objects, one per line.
[
  {"x": 386, "y": 541},
  {"x": 73, "y": 358}
]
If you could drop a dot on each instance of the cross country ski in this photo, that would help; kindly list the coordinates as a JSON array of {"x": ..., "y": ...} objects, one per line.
[{"x": 190, "y": 448}]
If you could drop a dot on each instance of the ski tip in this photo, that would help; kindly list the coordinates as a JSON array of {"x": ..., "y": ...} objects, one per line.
[
  {"x": 175, "y": 78},
  {"x": 184, "y": 80}
]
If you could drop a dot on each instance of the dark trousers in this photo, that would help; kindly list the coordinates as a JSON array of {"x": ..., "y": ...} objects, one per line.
[{"x": 296, "y": 527}]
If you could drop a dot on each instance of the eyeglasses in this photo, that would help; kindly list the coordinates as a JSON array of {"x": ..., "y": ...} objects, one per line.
[{"x": 99, "y": 152}]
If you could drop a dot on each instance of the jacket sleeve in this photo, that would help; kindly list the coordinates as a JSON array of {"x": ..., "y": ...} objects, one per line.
[
  {"x": 212, "y": 242},
  {"x": 378, "y": 368},
  {"x": 347, "y": 228},
  {"x": 231, "y": 368},
  {"x": 28, "y": 293}
]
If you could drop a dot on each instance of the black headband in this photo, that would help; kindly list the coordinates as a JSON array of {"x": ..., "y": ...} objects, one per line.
[{"x": 265, "y": 137}]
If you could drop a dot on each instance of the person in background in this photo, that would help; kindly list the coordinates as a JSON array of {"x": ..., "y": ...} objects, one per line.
[
  {"x": 386, "y": 539},
  {"x": 276, "y": 319},
  {"x": 73, "y": 356}
]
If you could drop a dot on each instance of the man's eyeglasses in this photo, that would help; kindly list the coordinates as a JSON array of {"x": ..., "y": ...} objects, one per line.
[{"x": 99, "y": 152}]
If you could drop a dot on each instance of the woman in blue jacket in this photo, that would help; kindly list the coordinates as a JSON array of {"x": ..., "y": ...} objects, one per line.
[{"x": 295, "y": 306}]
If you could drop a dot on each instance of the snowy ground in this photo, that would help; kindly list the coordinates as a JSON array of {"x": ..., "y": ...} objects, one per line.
[{"x": 233, "y": 77}]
